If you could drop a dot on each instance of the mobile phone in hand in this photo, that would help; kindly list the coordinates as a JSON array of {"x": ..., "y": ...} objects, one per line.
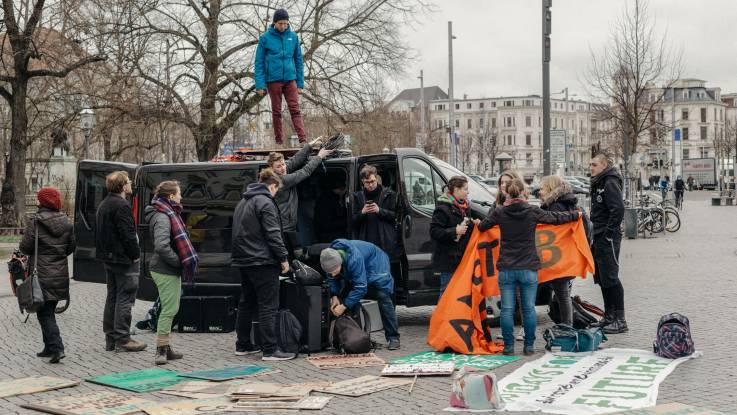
[{"x": 369, "y": 202}]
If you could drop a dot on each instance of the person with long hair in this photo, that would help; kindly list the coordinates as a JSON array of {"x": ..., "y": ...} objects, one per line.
[
  {"x": 450, "y": 229},
  {"x": 502, "y": 182},
  {"x": 518, "y": 261},
  {"x": 55, "y": 243},
  {"x": 557, "y": 196},
  {"x": 173, "y": 259}
]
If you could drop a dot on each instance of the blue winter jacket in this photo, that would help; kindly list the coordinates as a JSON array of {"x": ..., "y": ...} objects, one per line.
[
  {"x": 279, "y": 58},
  {"x": 364, "y": 264}
]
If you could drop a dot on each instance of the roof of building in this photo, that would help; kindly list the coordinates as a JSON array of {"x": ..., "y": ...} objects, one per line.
[{"x": 413, "y": 94}]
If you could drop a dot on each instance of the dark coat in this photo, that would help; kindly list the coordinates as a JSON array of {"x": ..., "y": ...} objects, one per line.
[
  {"x": 299, "y": 168},
  {"x": 447, "y": 252},
  {"x": 164, "y": 258},
  {"x": 567, "y": 202},
  {"x": 517, "y": 223},
  {"x": 607, "y": 205},
  {"x": 387, "y": 202},
  {"x": 55, "y": 244},
  {"x": 116, "y": 241},
  {"x": 257, "y": 230}
]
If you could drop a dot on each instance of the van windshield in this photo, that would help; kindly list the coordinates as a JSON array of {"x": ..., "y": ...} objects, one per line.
[{"x": 475, "y": 190}]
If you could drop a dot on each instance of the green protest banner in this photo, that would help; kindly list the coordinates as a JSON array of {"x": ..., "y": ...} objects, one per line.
[
  {"x": 148, "y": 380},
  {"x": 673, "y": 408},
  {"x": 483, "y": 362}
]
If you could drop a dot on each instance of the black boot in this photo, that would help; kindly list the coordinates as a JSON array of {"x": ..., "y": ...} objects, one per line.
[
  {"x": 619, "y": 325},
  {"x": 607, "y": 320}
]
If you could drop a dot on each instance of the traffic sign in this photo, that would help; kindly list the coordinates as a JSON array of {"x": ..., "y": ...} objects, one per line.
[
  {"x": 677, "y": 134},
  {"x": 557, "y": 147}
]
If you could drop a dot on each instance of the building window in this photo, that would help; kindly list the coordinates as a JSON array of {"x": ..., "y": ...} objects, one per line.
[
  {"x": 704, "y": 152},
  {"x": 703, "y": 133},
  {"x": 469, "y": 106},
  {"x": 509, "y": 140},
  {"x": 481, "y": 123},
  {"x": 539, "y": 121},
  {"x": 440, "y": 107},
  {"x": 684, "y": 114},
  {"x": 660, "y": 115},
  {"x": 508, "y": 103},
  {"x": 528, "y": 139},
  {"x": 458, "y": 106},
  {"x": 528, "y": 103},
  {"x": 493, "y": 123},
  {"x": 685, "y": 134},
  {"x": 509, "y": 121},
  {"x": 458, "y": 123},
  {"x": 469, "y": 124},
  {"x": 539, "y": 139},
  {"x": 528, "y": 121},
  {"x": 481, "y": 105},
  {"x": 703, "y": 115},
  {"x": 528, "y": 159},
  {"x": 493, "y": 104},
  {"x": 555, "y": 123},
  {"x": 685, "y": 153}
]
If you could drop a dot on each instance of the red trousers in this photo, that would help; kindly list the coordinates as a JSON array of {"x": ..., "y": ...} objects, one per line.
[{"x": 289, "y": 90}]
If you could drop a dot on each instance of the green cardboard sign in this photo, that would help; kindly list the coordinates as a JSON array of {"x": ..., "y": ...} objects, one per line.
[
  {"x": 227, "y": 373},
  {"x": 478, "y": 361},
  {"x": 148, "y": 380}
]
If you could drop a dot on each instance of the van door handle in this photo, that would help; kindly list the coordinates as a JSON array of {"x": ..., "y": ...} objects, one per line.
[{"x": 407, "y": 226}]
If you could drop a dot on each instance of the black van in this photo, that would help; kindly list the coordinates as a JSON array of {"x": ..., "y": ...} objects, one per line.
[{"x": 210, "y": 192}]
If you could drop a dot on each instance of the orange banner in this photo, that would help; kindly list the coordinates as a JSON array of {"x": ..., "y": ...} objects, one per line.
[{"x": 459, "y": 320}]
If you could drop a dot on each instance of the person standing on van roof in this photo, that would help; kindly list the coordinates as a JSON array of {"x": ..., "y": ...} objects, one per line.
[
  {"x": 117, "y": 247},
  {"x": 365, "y": 272},
  {"x": 280, "y": 71},
  {"x": 55, "y": 243},
  {"x": 374, "y": 212},
  {"x": 261, "y": 256},
  {"x": 173, "y": 258},
  {"x": 293, "y": 172}
]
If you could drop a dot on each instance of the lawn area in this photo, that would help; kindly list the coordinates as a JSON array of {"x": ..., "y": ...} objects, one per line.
[{"x": 10, "y": 239}]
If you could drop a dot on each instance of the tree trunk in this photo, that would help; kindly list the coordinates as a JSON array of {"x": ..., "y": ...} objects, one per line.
[{"x": 13, "y": 195}]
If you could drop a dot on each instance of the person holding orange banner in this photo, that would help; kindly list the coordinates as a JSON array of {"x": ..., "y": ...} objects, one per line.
[{"x": 518, "y": 261}]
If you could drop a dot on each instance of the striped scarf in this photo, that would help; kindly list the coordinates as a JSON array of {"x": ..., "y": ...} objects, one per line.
[
  {"x": 462, "y": 205},
  {"x": 179, "y": 235}
]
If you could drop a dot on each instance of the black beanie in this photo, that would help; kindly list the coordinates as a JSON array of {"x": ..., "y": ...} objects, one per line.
[{"x": 280, "y": 14}]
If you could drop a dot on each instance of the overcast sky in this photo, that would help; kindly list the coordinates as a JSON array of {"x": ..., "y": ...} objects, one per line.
[{"x": 498, "y": 47}]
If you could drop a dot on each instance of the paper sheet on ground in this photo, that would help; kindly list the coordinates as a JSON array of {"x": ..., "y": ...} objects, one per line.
[
  {"x": 483, "y": 362},
  {"x": 13, "y": 387},
  {"x": 93, "y": 403},
  {"x": 606, "y": 381}
]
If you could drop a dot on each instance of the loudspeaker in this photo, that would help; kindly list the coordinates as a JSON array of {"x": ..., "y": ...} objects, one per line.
[
  {"x": 215, "y": 314},
  {"x": 310, "y": 304},
  {"x": 189, "y": 317}
]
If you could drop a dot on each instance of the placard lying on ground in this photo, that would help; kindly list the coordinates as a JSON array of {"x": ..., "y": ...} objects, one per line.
[
  {"x": 93, "y": 403},
  {"x": 201, "y": 389},
  {"x": 419, "y": 369},
  {"x": 13, "y": 387},
  {"x": 483, "y": 362},
  {"x": 308, "y": 402},
  {"x": 670, "y": 409},
  {"x": 191, "y": 407},
  {"x": 606, "y": 381},
  {"x": 148, "y": 380},
  {"x": 228, "y": 373},
  {"x": 364, "y": 385},
  {"x": 346, "y": 361}
]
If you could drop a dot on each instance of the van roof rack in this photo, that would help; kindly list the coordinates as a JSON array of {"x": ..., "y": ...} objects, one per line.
[{"x": 250, "y": 154}]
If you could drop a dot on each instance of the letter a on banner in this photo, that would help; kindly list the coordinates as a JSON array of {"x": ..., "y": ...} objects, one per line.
[{"x": 459, "y": 321}]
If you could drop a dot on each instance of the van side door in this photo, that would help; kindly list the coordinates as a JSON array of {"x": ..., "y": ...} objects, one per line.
[{"x": 89, "y": 193}]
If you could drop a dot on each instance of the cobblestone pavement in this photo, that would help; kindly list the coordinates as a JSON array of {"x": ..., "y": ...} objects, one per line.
[{"x": 691, "y": 272}]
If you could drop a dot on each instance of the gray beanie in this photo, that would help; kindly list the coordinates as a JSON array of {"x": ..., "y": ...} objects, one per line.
[{"x": 330, "y": 260}]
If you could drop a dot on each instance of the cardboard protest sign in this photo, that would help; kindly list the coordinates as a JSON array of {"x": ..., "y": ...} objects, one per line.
[
  {"x": 605, "y": 381},
  {"x": 199, "y": 389},
  {"x": 419, "y": 369},
  {"x": 363, "y": 385},
  {"x": 307, "y": 402},
  {"x": 483, "y": 362},
  {"x": 189, "y": 407},
  {"x": 148, "y": 380},
  {"x": 93, "y": 403},
  {"x": 228, "y": 373},
  {"x": 459, "y": 321},
  {"x": 13, "y": 387},
  {"x": 346, "y": 361}
]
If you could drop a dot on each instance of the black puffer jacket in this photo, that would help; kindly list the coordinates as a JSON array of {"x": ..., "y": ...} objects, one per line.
[
  {"x": 382, "y": 224},
  {"x": 447, "y": 252},
  {"x": 257, "y": 230},
  {"x": 55, "y": 244},
  {"x": 607, "y": 205},
  {"x": 116, "y": 241},
  {"x": 517, "y": 222}
]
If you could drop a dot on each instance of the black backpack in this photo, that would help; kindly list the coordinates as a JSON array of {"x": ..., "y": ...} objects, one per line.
[
  {"x": 288, "y": 332},
  {"x": 304, "y": 275},
  {"x": 347, "y": 336},
  {"x": 581, "y": 317}
]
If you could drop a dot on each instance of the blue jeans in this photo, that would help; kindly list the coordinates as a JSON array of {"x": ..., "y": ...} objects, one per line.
[
  {"x": 387, "y": 311},
  {"x": 444, "y": 281},
  {"x": 526, "y": 280}
]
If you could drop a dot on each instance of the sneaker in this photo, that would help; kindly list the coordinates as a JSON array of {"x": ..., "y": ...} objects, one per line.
[
  {"x": 393, "y": 345},
  {"x": 109, "y": 345},
  {"x": 278, "y": 355},
  {"x": 529, "y": 350},
  {"x": 618, "y": 326},
  {"x": 56, "y": 357},
  {"x": 520, "y": 335},
  {"x": 508, "y": 350},
  {"x": 130, "y": 346},
  {"x": 247, "y": 350},
  {"x": 44, "y": 353}
]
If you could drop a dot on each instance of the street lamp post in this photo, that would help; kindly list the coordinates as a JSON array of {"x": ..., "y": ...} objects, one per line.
[
  {"x": 87, "y": 123},
  {"x": 451, "y": 106}
]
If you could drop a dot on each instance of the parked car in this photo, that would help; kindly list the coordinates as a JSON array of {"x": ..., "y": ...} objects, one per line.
[{"x": 211, "y": 190}]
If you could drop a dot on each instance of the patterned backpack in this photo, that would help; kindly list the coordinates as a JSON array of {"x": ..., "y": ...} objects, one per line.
[{"x": 673, "y": 339}]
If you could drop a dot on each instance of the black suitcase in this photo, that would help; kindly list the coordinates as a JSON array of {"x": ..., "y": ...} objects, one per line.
[
  {"x": 310, "y": 304},
  {"x": 212, "y": 314}
]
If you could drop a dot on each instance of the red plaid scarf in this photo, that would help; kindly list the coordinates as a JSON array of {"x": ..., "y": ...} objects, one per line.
[{"x": 183, "y": 245}]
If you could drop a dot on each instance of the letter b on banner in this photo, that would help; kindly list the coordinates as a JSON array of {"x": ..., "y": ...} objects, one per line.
[{"x": 549, "y": 253}]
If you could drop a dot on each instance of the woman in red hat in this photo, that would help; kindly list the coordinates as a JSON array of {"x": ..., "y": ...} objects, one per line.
[{"x": 55, "y": 243}]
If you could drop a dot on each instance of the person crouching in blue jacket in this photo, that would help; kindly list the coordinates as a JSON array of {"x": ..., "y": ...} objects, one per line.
[{"x": 365, "y": 272}]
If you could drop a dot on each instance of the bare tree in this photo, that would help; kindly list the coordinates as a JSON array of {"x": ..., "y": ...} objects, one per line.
[
  {"x": 489, "y": 143},
  {"x": 627, "y": 73},
  {"x": 22, "y": 60}
]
